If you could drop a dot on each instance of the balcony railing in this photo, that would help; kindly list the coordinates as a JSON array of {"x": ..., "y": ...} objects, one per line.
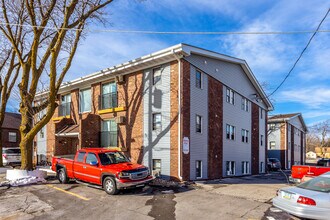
[
  {"x": 64, "y": 109},
  {"x": 108, "y": 101},
  {"x": 109, "y": 138}
]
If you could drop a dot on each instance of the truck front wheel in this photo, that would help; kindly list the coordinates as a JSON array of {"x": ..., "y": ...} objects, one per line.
[
  {"x": 109, "y": 186},
  {"x": 62, "y": 177}
]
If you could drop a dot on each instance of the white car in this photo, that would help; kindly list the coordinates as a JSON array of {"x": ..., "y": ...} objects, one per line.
[
  {"x": 310, "y": 199},
  {"x": 11, "y": 156}
]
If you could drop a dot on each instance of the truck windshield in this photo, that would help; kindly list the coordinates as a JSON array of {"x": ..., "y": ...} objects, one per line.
[
  {"x": 112, "y": 158},
  {"x": 319, "y": 184}
]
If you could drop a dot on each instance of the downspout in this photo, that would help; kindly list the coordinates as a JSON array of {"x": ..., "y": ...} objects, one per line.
[{"x": 178, "y": 57}]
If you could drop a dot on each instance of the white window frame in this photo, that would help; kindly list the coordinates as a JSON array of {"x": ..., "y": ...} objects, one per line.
[
  {"x": 245, "y": 136},
  {"x": 245, "y": 167},
  {"x": 199, "y": 86},
  {"x": 231, "y": 130},
  {"x": 80, "y": 100},
  {"x": 230, "y": 96},
  {"x": 159, "y": 79},
  {"x": 245, "y": 104},
  {"x": 12, "y": 137},
  {"x": 154, "y": 123},
  {"x": 200, "y": 167},
  {"x": 201, "y": 123},
  {"x": 271, "y": 147},
  {"x": 232, "y": 168}
]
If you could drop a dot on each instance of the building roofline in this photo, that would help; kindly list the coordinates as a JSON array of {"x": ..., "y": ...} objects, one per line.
[{"x": 158, "y": 57}]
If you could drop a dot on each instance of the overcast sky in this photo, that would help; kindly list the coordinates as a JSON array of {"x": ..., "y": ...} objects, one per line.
[{"x": 270, "y": 56}]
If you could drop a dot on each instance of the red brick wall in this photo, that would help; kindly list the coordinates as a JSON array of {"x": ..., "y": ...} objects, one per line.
[
  {"x": 185, "y": 116},
  {"x": 90, "y": 127},
  {"x": 130, "y": 133},
  {"x": 174, "y": 96},
  {"x": 215, "y": 132},
  {"x": 255, "y": 139},
  {"x": 302, "y": 153},
  {"x": 292, "y": 145}
]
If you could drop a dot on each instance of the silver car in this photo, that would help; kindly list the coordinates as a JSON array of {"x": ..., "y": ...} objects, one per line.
[
  {"x": 11, "y": 156},
  {"x": 310, "y": 199}
]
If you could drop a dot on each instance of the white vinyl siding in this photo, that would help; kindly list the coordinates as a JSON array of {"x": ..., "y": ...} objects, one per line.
[{"x": 157, "y": 99}]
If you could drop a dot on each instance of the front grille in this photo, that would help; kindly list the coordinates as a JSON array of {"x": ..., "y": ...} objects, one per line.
[{"x": 139, "y": 175}]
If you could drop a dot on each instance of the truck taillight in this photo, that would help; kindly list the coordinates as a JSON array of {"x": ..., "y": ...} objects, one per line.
[
  {"x": 4, "y": 155},
  {"x": 306, "y": 201}
]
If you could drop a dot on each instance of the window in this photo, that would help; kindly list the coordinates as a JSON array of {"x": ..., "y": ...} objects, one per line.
[
  {"x": 157, "y": 122},
  {"x": 261, "y": 140},
  {"x": 85, "y": 100},
  {"x": 245, "y": 104},
  {"x": 42, "y": 132},
  {"x": 157, "y": 75},
  {"x": 230, "y": 96},
  {"x": 198, "y": 79},
  {"x": 91, "y": 158},
  {"x": 198, "y": 124},
  {"x": 245, "y": 167},
  {"x": 262, "y": 170},
  {"x": 245, "y": 136},
  {"x": 272, "y": 127},
  {"x": 261, "y": 113},
  {"x": 80, "y": 157},
  {"x": 109, "y": 133},
  {"x": 230, "y": 168},
  {"x": 230, "y": 130},
  {"x": 12, "y": 137},
  {"x": 198, "y": 169},
  {"x": 109, "y": 95},
  {"x": 156, "y": 167},
  {"x": 272, "y": 145}
]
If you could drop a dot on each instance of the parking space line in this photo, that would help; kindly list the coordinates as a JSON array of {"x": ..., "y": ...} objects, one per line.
[{"x": 70, "y": 193}]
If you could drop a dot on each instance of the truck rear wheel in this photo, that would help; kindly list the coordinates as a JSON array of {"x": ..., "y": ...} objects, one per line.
[
  {"x": 109, "y": 186},
  {"x": 62, "y": 177}
]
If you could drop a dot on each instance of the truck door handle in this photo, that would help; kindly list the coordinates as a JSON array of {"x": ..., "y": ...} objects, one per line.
[{"x": 84, "y": 167}]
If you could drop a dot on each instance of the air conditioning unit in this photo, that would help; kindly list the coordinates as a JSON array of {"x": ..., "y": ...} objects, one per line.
[
  {"x": 120, "y": 119},
  {"x": 120, "y": 79}
]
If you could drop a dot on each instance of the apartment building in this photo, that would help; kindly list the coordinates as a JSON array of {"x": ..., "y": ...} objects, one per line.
[
  {"x": 185, "y": 112},
  {"x": 287, "y": 139}
]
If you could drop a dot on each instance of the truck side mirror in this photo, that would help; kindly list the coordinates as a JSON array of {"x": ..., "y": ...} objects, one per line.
[{"x": 93, "y": 163}]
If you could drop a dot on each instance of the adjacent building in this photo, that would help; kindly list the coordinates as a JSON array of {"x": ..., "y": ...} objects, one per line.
[
  {"x": 10, "y": 130},
  {"x": 287, "y": 139},
  {"x": 185, "y": 112}
]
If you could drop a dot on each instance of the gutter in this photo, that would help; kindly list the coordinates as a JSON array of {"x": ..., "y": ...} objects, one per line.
[{"x": 178, "y": 57}]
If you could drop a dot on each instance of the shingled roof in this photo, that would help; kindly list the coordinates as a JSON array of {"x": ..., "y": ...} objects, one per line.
[
  {"x": 283, "y": 116},
  {"x": 12, "y": 120}
]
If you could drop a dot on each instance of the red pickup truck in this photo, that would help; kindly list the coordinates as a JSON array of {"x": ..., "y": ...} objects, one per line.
[
  {"x": 300, "y": 173},
  {"x": 101, "y": 167}
]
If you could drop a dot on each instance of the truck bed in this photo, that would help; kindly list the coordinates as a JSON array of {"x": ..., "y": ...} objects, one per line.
[
  {"x": 68, "y": 156},
  {"x": 298, "y": 172}
]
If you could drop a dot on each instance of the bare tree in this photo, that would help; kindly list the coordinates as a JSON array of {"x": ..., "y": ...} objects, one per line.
[
  {"x": 9, "y": 70},
  {"x": 48, "y": 40},
  {"x": 321, "y": 131}
]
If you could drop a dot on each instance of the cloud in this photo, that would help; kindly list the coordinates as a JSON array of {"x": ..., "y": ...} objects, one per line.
[
  {"x": 313, "y": 97},
  {"x": 103, "y": 50}
]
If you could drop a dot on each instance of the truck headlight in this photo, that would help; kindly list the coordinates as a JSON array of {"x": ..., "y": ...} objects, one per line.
[{"x": 123, "y": 175}]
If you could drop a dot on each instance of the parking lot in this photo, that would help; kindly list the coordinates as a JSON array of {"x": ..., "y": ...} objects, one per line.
[{"x": 234, "y": 198}]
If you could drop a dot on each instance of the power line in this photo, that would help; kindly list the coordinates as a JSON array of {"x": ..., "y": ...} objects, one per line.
[
  {"x": 301, "y": 54},
  {"x": 175, "y": 32}
]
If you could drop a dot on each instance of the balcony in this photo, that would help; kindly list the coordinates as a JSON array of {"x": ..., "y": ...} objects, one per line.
[
  {"x": 64, "y": 109},
  {"x": 108, "y": 138},
  {"x": 107, "y": 101}
]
